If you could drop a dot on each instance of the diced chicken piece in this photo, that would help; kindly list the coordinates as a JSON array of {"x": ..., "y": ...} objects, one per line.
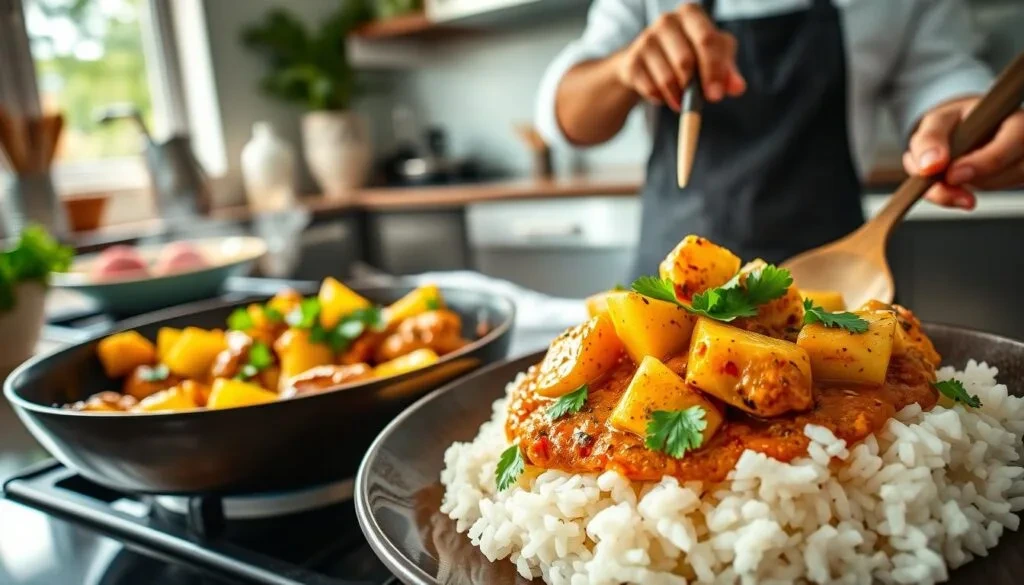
[
  {"x": 780, "y": 318},
  {"x": 439, "y": 330},
  {"x": 324, "y": 377},
  {"x": 909, "y": 338}
]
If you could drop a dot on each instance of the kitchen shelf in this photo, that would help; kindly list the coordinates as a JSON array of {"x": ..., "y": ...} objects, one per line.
[
  {"x": 409, "y": 25},
  {"x": 503, "y": 15}
]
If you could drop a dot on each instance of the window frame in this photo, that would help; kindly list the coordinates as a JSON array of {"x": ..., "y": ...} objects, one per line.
[{"x": 163, "y": 72}]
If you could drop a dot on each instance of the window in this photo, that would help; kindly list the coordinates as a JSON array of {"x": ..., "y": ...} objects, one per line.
[
  {"x": 81, "y": 56},
  {"x": 88, "y": 55}
]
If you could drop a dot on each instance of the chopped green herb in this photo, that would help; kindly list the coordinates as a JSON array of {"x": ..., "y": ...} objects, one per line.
[
  {"x": 722, "y": 304},
  {"x": 727, "y": 302},
  {"x": 767, "y": 284},
  {"x": 372, "y": 317},
  {"x": 305, "y": 315},
  {"x": 618, "y": 287},
  {"x": 674, "y": 432},
  {"x": 433, "y": 304},
  {"x": 955, "y": 391},
  {"x": 844, "y": 320},
  {"x": 568, "y": 403},
  {"x": 240, "y": 320},
  {"x": 273, "y": 315},
  {"x": 247, "y": 371},
  {"x": 653, "y": 287},
  {"x": 510, "y": 466},
  {"x": 260, "y": 356},
  {"x": 157, "y": 373}
]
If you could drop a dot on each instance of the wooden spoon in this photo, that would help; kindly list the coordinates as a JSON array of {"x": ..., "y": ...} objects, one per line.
[{"x": 855, "y": 265}]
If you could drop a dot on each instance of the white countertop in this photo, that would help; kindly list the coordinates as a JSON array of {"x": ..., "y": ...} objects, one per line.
[{"x": 993, "y": 205}]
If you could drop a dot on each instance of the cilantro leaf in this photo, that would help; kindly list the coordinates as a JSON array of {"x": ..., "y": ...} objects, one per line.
[
  {"x": 247, "y": 371},
  {"x": 656, "y": 288},
  {"x": 955, "y": 391},
  {"x": 844, "y": 320},
  {"x": 767, "y": 284},
  {"x": 240, "y": 320},
  {"x": 157, "y": 373},
  {"x": 372, "y": 317},
  {"x": 305, "y": 315},
  {"x": 260, "y": 356},
  {"x": 353, "y": 325},
  {"x": 569, "y": 403},
  {"x": 433, "y": 304},
  {"x": 674, "y": 432},
  {"x": 618, "y": 287},
  {"x": 722, "y": 304},
  {"x": 273, "y": 315},
  {"x": 510, "y": 466}
]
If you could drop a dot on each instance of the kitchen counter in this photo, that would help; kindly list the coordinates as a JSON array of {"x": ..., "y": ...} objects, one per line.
[{"x": 619, "y": 183}]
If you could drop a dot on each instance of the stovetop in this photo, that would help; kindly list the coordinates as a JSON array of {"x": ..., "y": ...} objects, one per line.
[
  {"x": 58, "y": 528},
  {"x": 319, "y": 546}
]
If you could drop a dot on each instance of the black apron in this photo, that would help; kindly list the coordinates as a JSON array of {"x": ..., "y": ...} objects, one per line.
[{"x": 773, "y": 175}]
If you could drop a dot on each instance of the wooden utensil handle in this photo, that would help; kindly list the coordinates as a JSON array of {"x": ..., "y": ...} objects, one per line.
[{"x": 1001, "y": 100}]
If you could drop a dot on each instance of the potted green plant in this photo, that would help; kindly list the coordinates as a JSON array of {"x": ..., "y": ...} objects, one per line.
[
  {"x": 311, "y": 68},
  {"x": 25, "y": 268}
]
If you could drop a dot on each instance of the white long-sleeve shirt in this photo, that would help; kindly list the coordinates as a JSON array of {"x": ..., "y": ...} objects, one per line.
[{"x": 909, "y": 55}]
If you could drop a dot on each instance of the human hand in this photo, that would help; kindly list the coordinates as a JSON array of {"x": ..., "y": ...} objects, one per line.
[
  {"x": 997, "y": 164},
  {"x": 660, "y": 62}
]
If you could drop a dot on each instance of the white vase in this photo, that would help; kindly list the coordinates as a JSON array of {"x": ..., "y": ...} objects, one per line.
[
  {"x": 338, "y": 151},
  {"x": 21, "y": 325},
  {"x": 268, "y": 170}
]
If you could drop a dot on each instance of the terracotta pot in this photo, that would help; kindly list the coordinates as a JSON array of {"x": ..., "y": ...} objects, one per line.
[
  {"x": 338, "y": 151},
  {"x": 85, "y": 212},
  {"x": 21, "y": 325}
]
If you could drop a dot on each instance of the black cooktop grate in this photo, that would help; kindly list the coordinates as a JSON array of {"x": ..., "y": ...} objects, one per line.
[{"x": 317, "y": 547}]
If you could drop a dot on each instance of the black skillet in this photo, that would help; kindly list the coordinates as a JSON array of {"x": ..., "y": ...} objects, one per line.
[{"x": 283, "y": 445}]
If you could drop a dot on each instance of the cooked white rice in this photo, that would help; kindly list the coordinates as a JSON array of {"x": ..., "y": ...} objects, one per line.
[{"x": 932, "y": 490}]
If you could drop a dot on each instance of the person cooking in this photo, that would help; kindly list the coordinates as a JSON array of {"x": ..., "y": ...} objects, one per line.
[{"x": 776, "y": 170}]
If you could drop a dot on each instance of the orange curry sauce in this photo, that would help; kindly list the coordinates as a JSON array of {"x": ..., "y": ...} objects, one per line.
[{"x": 583, "y": 442}]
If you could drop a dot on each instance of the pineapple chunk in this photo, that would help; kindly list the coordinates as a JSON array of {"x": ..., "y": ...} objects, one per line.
[
  {"x": 171, "y": 399},
  {"x": 656, "y": 387},
  {"x": 910, "y": 338},
  {"x": 753, "y": 372},
  {"x": 234, "y": 393},
  {"x": 166, "y": 337},
  {"x": 336, "y": 301},
  {"x": 781, "y": 317},
  {"x": 839, "y": 355},
  {"x": 597, "y": 304},
  {"x": 649, "y": 327},
  {"x": 578, "y": 356},
  {"x": 829, "y": 300},
  {"x": 696, "y": 265},
  {"x": 419, "y": 300},
  {"x": 195, "y": 351},
  {"x": 413, "y": 360}
]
